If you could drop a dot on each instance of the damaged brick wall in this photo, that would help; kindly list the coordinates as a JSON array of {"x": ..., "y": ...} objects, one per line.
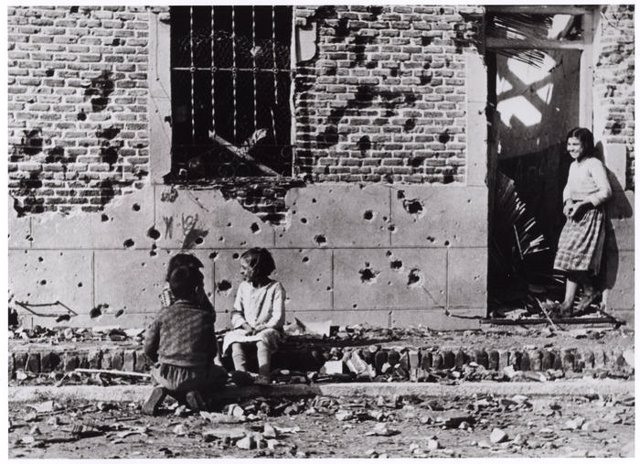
[
  {"x": 77, "y": 101},
  {"x": 614, "y": 76},
  {"x": 384, "y": 97}
]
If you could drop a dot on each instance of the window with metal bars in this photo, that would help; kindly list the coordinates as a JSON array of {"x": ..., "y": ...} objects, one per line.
[{"x": 231, "y": 91}]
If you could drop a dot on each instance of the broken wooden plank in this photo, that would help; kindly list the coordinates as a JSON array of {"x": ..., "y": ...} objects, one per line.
[
  {"x": 541, "y": 9},
  {"x": 240, "y": 153},
  {"x": 112, "y": 372},
  {"x": 546, "y": 314},
  {"x": 532, "y": 44}
]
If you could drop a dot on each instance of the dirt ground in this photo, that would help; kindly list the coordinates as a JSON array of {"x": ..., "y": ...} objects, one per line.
[{"x": 322, "y": 427}]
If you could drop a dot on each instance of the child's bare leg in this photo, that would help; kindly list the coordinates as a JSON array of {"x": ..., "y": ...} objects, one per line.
[
  {"x": 264, "y": 359},
  {"x": 239, "y": 357}
]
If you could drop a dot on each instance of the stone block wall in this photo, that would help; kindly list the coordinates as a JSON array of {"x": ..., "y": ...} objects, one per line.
[{"x": 390, "y": 256}]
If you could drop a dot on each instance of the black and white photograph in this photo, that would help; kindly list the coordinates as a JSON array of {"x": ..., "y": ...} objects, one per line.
[{"x": 289, "y": 230}]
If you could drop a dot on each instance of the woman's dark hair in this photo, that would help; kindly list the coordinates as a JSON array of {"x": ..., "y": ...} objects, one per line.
[
  {"x": 184, "y": 281},
  {"x": 586, "y": 140},
  {"x": 260, "y": 261},
  {"x": 182, "y": 259}
]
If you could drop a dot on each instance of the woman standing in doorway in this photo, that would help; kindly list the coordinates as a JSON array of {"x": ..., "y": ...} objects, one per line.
[{"x": 581, "y": 242}]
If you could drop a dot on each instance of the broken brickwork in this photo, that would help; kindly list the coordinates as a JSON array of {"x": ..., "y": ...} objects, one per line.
[
  {"x": 78, "y": 132},
  {"x": 614, "y": 80},
  {"x": 384, "y": 97},
  {"x": 384, "y": 215}
]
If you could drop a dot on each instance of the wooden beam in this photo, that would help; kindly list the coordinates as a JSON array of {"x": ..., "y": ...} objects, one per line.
[
  {"x": 240, "y": 153},
  {"x": 541, "y": 9},
  {"x": 112, "y": 372},
  {"x": 532, "y": 44}
]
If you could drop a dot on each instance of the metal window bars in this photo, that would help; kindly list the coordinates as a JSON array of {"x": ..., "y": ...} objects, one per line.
[{"x": 231, "y": 82}]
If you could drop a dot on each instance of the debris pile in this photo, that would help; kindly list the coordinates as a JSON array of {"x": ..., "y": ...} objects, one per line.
[
  {"x": 59, "y": 335},
  {"x": 386, "y": 425}
]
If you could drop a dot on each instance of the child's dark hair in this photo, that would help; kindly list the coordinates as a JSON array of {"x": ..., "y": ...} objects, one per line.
[
  {"x": 182, "y": 259},
  {"x": 260, "y": 260},
  {"x": 586, "y": 140},
  {"x": 183, "y": 281}
]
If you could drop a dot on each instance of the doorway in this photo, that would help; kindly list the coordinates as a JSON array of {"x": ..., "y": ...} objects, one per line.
[{"x": 539, "y": 64}]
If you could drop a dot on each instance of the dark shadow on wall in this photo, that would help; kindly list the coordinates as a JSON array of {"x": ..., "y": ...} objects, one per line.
[{"x": 618, "y": 207}]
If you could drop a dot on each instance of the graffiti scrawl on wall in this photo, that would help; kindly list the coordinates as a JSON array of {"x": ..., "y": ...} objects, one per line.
[{"x": 192, "y": 235}]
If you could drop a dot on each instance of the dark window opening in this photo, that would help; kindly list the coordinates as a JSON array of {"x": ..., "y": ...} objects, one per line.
[{"x": 231, "y": 88}]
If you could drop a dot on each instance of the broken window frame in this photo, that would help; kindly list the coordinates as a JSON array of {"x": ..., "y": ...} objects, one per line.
[
  {"x": 585, "y": 45},
  {"x": 238, "y": 153}
]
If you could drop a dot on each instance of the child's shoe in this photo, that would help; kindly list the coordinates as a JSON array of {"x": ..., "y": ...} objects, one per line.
[
  {"x": 241, "y": 378},
  {"x": 262, "y": 380},
  {"x": 150, "y": 407},
  {"x": 195, "y": 401}
]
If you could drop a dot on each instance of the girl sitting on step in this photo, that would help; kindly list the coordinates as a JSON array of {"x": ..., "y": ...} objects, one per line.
[{"x": 258, "y": 313}]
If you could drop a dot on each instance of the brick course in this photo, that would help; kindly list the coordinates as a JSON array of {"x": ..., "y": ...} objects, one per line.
[
  {"x": 382, "y": 69},
  {"x": 384, "y": 99},
  {"x": 79, "y": 88},
  {"x": 614, "y": 80}
]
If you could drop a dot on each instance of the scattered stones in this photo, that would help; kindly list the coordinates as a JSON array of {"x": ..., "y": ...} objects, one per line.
[
  {"x": 498, "y": 436},
  {"x": 381, "y": 430},
  {"x": 269, "y": 431},
  {"x": 45, "y": 407},
  {"x": 592, "y": 426},
  {"x": 426, "y": 420},
  {"x": 454, "y": 422},
  {"x": 234, "y": 410},
  {"x": 344, "y": 415},
  {"x": 249, "y": 442},
  {"x": 27, "y": 440},
  {"x": 181, "y": 411},
  {"x": 231, "y": 434},
  {"x": 219, "y": 418},
  {"x": 574, "y": 424},
  {"x": 546, "y": 433},
  {"x": 520, "y": 399},
  {"x": 433, "y": 444},
  {"x": 179, "y": 430}
]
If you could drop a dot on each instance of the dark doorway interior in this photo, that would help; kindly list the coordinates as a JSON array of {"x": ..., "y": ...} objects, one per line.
[{"x": 535, "y": 103}]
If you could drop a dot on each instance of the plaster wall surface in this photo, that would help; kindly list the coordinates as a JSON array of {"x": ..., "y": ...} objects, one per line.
[{"x": 355, "y": 272}]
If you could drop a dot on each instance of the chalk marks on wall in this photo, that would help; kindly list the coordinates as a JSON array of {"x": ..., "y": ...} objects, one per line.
[{"x": 188, "y": 224}]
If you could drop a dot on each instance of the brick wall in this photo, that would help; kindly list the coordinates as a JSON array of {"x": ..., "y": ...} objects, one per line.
[
  {"x": 614, "y": 79},
  {"x": 77, "y": 96},
  {"x": 384, "y": 97}
]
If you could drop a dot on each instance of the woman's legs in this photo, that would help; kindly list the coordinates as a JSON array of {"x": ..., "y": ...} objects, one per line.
[
  {"x": 574, "y": 280},
  {"x": 569, "y": 293}
]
